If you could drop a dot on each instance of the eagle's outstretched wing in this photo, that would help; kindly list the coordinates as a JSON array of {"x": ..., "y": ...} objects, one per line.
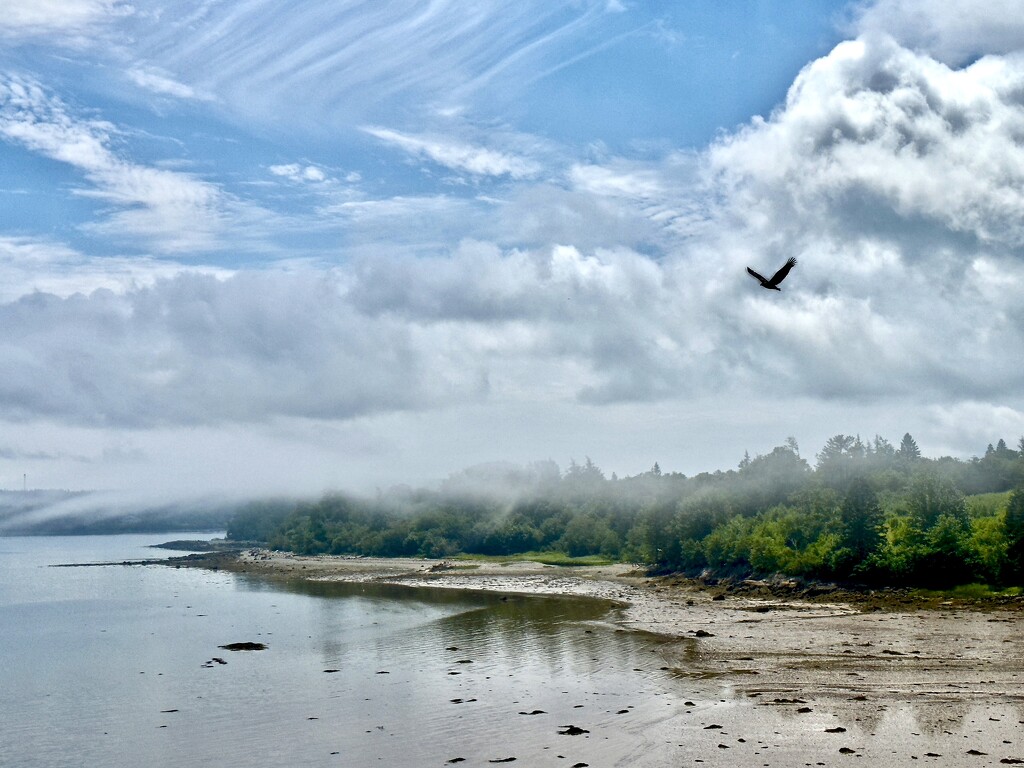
[
  {"x": 755, "y": 275},
  {"x": 779, "y": 276}
]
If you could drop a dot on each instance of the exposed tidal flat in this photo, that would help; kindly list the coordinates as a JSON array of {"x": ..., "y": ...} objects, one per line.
[{"x": 357, "y": 662}]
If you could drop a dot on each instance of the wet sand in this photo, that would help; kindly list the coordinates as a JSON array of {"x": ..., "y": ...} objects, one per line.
[{"x": 770, "y": 680}]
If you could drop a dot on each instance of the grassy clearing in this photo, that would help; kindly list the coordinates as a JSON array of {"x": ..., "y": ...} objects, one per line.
[
  {"x": 544, "y": 558},
  {"x": 969, "y": 592}
]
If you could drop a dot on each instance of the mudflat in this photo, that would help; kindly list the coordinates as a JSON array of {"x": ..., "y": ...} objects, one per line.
[{"x": 776, "y": 679}]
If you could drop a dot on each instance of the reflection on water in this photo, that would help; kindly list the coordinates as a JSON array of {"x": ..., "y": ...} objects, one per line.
[{"x": 115, "y": 666}]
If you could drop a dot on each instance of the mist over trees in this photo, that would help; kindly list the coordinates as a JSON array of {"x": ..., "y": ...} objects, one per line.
[{"x": 864, "y": 511}]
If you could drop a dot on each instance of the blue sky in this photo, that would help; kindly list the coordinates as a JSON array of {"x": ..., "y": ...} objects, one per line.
[
  {"x": 235, "y": 94},
  {"x": 288, "y": 246}
]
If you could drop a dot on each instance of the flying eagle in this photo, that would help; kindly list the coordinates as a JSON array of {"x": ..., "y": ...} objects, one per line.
[{"x": 778, "y": 277}]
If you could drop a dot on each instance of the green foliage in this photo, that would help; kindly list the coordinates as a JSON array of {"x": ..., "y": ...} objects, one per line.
[
  {"x": 866, "y": 512},
  {"x": 1014, "y": 531}
]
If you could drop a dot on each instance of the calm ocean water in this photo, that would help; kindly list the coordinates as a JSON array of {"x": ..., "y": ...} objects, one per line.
[{"x": 115, "y": 666}]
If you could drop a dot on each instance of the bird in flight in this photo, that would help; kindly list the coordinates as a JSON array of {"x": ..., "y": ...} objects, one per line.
[{"x": 778, "y": 277}]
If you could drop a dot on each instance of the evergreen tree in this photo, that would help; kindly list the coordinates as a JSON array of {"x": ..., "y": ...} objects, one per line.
[
  {"x": 908, "y": 450},
  {"x": 837, "y": 462},
  {"x": 861, "y": 517},
  {"x": 1015, "y": 534}
]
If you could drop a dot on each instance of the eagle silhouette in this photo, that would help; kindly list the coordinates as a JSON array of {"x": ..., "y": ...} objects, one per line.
[{"x": 778, "y": 277}]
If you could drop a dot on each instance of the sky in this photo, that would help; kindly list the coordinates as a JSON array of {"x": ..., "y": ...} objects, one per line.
[{"x": 286, "y": 246}]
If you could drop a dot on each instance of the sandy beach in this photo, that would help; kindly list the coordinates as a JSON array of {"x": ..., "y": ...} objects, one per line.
[{"x": 775, "y": 681}]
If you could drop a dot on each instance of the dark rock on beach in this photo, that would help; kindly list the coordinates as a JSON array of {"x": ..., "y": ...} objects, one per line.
[
  {"x": 572, "y": 730},
  {"x": 244, "y": 647}
]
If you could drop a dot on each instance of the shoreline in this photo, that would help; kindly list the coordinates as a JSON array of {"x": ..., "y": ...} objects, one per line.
[
  {"x": 828, "y": 642},
  {"x": 936, "y": 683}
]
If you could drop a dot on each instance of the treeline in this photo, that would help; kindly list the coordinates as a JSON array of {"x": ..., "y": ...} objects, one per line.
[{"x": 866, "y": 511}]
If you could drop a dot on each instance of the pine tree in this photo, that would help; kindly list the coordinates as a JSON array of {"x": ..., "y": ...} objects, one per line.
[{"x": 908, "y": 450}]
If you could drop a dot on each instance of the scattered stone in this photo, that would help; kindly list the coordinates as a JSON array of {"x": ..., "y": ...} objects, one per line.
[
  {"x": 975, "y": 752},
  {"x": 581, "y": 765},
  {"x": 837, "y": 729},
  {"x": 622, "y": 712},
  {"x": 847, "y": 751},
  {"x": 383, "y": 672},
  {"x": 723, "y": 746},
  {"x": 1012, "y": 761},
  {"x": 712, "y": 727},
  {"x": 456, "y": 760},
  {"x": 932, "y": 754},
  {"x": 804, "y": 710},
  {"x": 572, "y": 730},
  {"x": 702, "y": 633},
  {"x": 331, "y": 671},
  {"x": 167, "y": 711},
  {"x": 535, "y": 712},
  {"x": 503, "y": 760},
  {"x": 244, "y": 646}
]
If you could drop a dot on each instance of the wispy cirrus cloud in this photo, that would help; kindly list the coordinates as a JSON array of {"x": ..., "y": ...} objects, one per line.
[
  {"x": 345, "y": 60},
  {"x": 173, "y": 211},
  {"x": 161, "y": 83},
  {"x": 459, "y": 156}
]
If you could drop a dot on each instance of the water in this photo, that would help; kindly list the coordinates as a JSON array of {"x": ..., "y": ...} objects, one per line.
[{"x": 115, "y": 666}]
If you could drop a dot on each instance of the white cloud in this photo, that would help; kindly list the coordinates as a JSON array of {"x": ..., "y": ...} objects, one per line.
[
  {"x": 60, "y": 17},
  {"x": 873, "y": 136},
  {"x": 459, "y": 156},
  {"x": 162, "y": 84},
  {"x": 631, "y": 183},
  {"x": 29, "y": 265},
  {"x": 174, "y": 211},
  {"x": 341, "y": 61},
  {"x": 194, "y": 349},
  {"x": 897, "y": 182},
  {"x": 953, "y": 31},
  {"x": 299, "y": 173}
]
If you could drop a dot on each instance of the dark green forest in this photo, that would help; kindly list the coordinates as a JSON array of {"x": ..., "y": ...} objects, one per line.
[{"x": 864, "y": 512}]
